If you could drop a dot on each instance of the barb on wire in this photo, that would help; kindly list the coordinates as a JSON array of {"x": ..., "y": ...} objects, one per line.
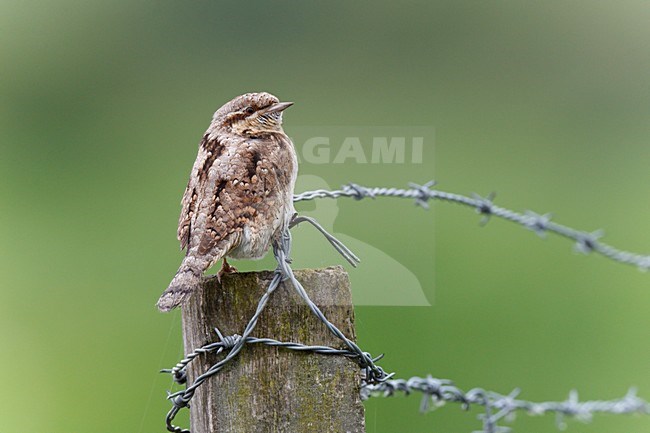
[
  {"x": 585, "y": 242},
  {"x": 437, "y": 392}
]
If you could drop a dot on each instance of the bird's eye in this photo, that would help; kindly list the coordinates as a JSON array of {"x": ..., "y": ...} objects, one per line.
[{"x": 249, "y": 110}]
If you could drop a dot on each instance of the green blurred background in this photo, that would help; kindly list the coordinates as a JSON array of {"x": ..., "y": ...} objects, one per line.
[{"x": 547, "y": 103}]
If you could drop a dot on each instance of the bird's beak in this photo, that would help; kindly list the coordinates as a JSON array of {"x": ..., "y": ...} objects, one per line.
[{"x": 280, "y": 106}]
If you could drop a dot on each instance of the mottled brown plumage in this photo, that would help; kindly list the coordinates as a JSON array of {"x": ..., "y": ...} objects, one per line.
[{"x": 239, "y": 196}]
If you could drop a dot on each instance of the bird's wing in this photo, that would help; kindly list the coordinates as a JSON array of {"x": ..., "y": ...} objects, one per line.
[
  {"x": 226, "y": 191},
  {"x": 188, "y": 204},
  {"x": 209, "y": 150}
]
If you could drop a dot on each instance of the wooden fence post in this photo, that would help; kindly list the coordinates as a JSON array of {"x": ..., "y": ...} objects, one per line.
[{"x": 268, "y": 389}]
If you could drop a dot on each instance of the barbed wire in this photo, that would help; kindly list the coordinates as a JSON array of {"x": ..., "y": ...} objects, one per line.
[
  {"x": 179, "y": 371},
  {"x": 585, "y": 242},
  {"x": 376, "y": 382},
  {"x": 437, "y": 392}
]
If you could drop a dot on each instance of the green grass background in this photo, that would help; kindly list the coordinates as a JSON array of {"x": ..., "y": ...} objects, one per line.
[{"x": 547, "y": 103}]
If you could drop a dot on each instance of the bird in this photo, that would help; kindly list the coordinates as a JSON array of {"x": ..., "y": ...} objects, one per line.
[{"x": 239, "y": 197}]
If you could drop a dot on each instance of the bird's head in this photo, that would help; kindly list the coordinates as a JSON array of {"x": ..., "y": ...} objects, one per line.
[{"x": 251, "y": 114}]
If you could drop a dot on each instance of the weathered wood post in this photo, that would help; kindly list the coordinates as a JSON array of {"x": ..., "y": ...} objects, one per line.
[{"x": 269, "y": 389}]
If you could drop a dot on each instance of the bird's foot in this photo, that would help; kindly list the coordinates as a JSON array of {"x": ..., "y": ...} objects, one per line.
[{"x": 226, "y": 268}]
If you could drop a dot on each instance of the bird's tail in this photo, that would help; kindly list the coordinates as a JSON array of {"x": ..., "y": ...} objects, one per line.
[{"x": 184, "y": 283}]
